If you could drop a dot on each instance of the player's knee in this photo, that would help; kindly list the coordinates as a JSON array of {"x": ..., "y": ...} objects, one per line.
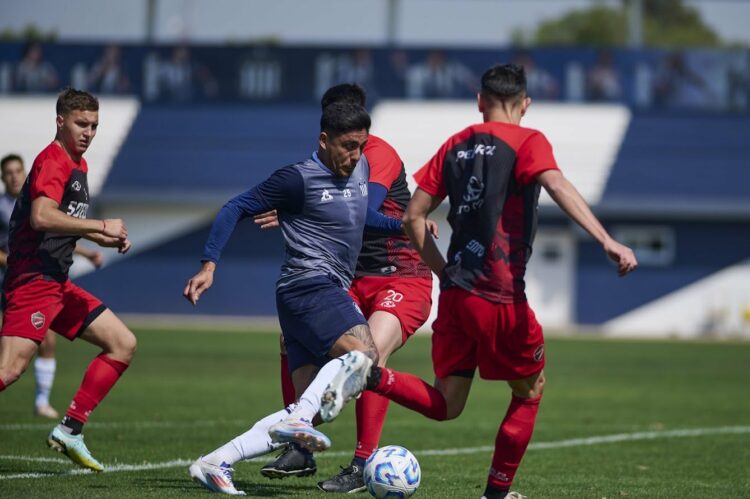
[
  {"x": 11, "y": 372},
  {"x": 453, "y": 411},
  {"x": 124, "y": 346},
  {"x": 530, "y": 388}
]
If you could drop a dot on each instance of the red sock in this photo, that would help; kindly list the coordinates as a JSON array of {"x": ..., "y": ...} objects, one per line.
[
  {"x": 100, "y": 377},
  {"x": 287, "y": 387},
  {"x": 512, "y": 439},
  {"x": 371, "y": 411},
  {"x": 2, "y": 385},
  {"x": 413, "y": 393}
]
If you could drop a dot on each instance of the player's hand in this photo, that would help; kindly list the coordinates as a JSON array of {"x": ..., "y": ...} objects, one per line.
[
  {"x": 124, "y": 246},
  {"x": 199, "y": 283},
  {"x": 622, "y": 256},
  {"x": 96, "y": 258},
  {"x": 115, "y": 227},
  {"x": 267, "y": 220},
  {"x": 432, "y": 228}
]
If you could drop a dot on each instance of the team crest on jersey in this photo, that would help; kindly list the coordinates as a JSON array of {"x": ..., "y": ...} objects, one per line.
[
  {"x": 473, "y": 196},
  {"x": 539, "y": 353},
  {"x": 326, "y": 196},
  {"x": 363, "y": 188},
  {"x": 37, "y": 320},
  {"x": 76, "y": 186}
]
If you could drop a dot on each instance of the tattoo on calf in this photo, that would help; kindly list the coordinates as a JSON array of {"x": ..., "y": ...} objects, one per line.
[{"x": 362, "y": 333}]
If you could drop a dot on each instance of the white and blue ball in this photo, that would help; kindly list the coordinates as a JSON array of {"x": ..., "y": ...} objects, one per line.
[{"x": 392, "y": 471}]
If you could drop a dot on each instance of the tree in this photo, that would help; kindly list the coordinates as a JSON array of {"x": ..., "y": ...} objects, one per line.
[{"x": 666, "y": 23}]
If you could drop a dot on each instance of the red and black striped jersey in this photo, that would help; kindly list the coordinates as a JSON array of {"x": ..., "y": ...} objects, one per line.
[
  {"x": 391, "y": 255},
  {"x": 488, "y": 171},
  {"x": 32, "y": 253}
]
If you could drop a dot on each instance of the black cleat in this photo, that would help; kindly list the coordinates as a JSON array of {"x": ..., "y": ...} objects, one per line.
[
  {"x": 348, "y": 481},
  {"x": 291, "y": 462}
]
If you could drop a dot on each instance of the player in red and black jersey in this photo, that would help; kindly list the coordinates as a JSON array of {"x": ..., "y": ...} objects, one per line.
[
  {"x": 48, "y": 219},
  {"x": 392, "y": 287},
  {"x": 492, "y": 174}
]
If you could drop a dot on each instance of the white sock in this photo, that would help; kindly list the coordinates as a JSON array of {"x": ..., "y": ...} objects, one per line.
[
  {"x": 309, "y": 403},
  {"x": 253, "y": 443},
  {"x": 44, "y": 372}
]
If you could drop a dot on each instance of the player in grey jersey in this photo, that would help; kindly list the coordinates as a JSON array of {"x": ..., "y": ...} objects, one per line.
[{"x": 322, "y": 206}]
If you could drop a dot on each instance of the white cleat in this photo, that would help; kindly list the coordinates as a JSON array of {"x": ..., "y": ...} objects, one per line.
[
  {"x": 509, "y": 495},
  {"x": 301, "y": 432},
  {"x": 346, "y": 385},
  {"x": 214, "y": 478}
]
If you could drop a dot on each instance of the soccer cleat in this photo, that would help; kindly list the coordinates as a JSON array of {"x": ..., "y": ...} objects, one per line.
[
  {"x": 346, "y": 385},
  {"x": 348, "y": 481},
  {"x": 46, "y": 411},
  {"x": 299, "y": 431},
  {"x": 291, "y": 462},
  {"x": 214, "y": 478},
  {"x": 73, "y": 447}
]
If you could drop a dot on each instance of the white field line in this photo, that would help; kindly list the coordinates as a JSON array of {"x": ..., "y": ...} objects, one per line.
[
  {"x": 572, "y": 442},
  {"x": 129, "y": 425}
]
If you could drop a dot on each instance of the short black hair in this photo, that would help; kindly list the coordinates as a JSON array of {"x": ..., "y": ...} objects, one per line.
[
  {"x": 71, "y": 99},
  {"x": 7, "y": 159},
  {"x": 504, "y": 82},
  {"x": 343, "y": 117},
  {"x": 345, "y": 92}
]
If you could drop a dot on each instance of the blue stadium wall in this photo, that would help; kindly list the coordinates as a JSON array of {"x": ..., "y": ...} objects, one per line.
[
  {"x": 689, "y": 172},
  {"x": 701, "y": 249},
  {"x": 152, "y": 282},
  {"x": 669, "y": 162}
]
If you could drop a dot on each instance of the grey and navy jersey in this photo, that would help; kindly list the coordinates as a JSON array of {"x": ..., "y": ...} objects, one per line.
[
  {"x": 7, "y": 202},
  {"x": 322, "y": 217}
]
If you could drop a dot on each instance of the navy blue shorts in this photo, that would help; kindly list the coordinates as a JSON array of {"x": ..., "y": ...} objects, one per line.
[{"x": 313, "y": 314}]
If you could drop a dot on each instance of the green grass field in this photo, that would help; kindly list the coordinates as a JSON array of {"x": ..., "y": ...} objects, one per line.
[{"x": 188, "y": 392}]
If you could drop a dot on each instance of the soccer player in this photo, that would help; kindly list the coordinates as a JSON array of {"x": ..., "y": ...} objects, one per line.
[
  {"x": 49, "y": 217},
  {"x": 322, "y": 206},
  {"x": 392, "y": 287},
  {"x": 492, "y": 173},
  {"x": 13, "y": 176}
]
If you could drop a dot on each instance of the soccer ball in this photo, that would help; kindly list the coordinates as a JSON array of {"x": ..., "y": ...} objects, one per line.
[{"x": 392, "y": 471}]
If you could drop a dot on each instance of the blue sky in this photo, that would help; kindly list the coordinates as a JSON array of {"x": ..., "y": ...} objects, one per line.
[{"x": 420, "y": 22}]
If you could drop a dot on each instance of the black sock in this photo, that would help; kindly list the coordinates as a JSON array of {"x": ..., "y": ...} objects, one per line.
[
  {"x": 496, "y": 492},
  {"x": 359, "y": 462},
  {"x": 373, "y": 379},
  {"x": 75, "y": 426}
]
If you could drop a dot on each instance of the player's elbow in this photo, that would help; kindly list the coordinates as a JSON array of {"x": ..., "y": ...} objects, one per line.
[
  {"x": 39, "y": 221},
  {"x": 554, "y": 185}
]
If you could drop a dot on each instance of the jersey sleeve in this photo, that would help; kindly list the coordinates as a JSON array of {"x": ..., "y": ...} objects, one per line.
[
  {"x": 430, "y": 177},
  {"x": 283, "y": 190},
  {"x": 48, "y": 179},
  {"x": 385, "y": 164},
  {"x": 534, "y": 157}
]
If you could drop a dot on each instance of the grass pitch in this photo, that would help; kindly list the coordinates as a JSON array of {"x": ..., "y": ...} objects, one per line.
[{"x": 188, "y": 392}]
